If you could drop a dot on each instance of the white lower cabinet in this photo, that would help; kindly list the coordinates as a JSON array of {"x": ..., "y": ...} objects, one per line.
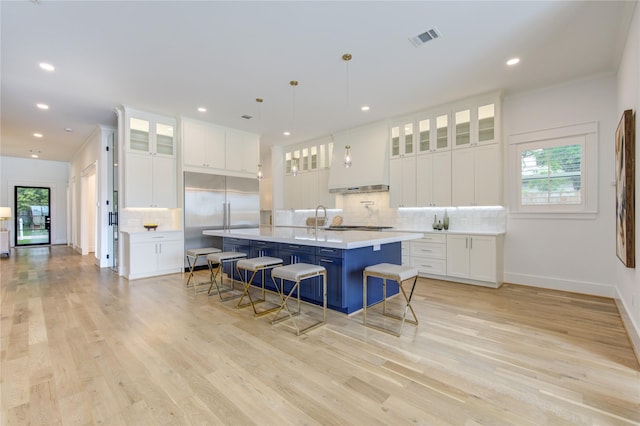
[
  {"x": 152, "y": 253},
  {"x": 477, "y": 258},
  {"x": 429, "y": 254}
]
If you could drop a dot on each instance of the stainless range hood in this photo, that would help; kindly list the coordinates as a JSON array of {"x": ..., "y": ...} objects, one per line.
[{"x": 369, "y": 171}]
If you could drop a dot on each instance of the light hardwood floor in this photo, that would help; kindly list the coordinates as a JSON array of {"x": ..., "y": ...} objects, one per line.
[{"x": 81, "y": 346}]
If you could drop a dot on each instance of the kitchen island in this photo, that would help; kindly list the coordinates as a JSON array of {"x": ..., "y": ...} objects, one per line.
[{"x": 344, "y": 254}]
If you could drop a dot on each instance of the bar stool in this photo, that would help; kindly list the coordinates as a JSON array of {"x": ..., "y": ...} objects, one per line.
[
  {"x": 192, "y": 259},
  {"x": 399, "y": 274},
  {"x": 220, "y": 259},
  {"x": 255, "y": 265},
  {"x": 298, "y": 272}
]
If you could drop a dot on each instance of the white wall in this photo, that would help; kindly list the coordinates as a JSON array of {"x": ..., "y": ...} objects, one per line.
[
  {"x": 567, "y": 254},
  {"x": 27, "y": 172},
  {"x": 627, "y": 280}
]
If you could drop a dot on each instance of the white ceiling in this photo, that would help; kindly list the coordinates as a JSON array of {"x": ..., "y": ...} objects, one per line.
[{"x": 171, "y": 57}]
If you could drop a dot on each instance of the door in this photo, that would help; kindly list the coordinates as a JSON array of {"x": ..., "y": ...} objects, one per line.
[
  {"x": 112, "y": 205},
  {"x": 33, "y": 220}
]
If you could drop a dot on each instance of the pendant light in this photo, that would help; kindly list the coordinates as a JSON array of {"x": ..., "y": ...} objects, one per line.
[
  {"x": 347, "y": 156},
  {"x": 347, "y": 149},
  {"x": 259, "y": 174},
  {"x": 295, "y": 167}
]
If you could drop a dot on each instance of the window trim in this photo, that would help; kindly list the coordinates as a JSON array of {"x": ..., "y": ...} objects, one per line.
[{"x": 588, "y": 135}]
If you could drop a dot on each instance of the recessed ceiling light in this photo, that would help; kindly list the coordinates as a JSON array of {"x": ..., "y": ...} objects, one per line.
[
  {"x": 42, "y": 106},
  {"x": 287, "y": 133},
  {"x": 34, "y": 155},
  {"x": 513, "y": 61},
  {"x": 47, "y": 67},
  {"x": 202, "y": 109},
  {"x": 365, "y": 108},
  {"x": 37, "y": 135},
  {"x": 68, "y": 129}
]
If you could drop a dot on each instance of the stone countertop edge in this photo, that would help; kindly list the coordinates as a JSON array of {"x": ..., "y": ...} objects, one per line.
[
  {"x": 453, "y": 232},
  {"x": 330, "y": 239},
  {"x": 144, "y": 231}
]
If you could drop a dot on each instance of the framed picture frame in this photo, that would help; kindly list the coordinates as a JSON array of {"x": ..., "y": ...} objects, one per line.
[{"x": 625, "y": 189}]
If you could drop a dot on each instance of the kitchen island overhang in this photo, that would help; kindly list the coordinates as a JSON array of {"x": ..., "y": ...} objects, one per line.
[{"x": 344, "y": 254}]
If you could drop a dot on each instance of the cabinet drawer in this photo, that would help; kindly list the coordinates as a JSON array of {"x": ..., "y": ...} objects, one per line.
[
  {"x": 429, "y": 250},
  {"x": 297, "y": 248},
  {"x": 432, "y": 238},
  {"x": 263, "y": 244},
  {"x": 429, "y": 266},
  {"x": 155, "y": 236},
  {"x": 328, "y": 252}
]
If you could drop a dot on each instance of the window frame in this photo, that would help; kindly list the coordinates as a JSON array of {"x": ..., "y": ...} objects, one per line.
[{"x": 584, "y": 134}]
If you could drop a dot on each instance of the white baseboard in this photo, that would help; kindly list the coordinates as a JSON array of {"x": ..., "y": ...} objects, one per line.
[
  {"x": 633, "y": 329},
  {"x": 584, "y": 287}
]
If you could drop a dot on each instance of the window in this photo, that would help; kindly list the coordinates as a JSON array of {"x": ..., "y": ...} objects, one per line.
[
  {"x": 554, "y": 171},
  {"x": 551, "y": 175}
]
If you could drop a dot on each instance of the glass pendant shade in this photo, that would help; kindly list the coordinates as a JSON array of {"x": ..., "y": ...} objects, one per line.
[{"x": 347, "y": 156}]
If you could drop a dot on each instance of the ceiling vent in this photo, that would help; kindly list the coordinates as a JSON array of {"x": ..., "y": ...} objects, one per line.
[
  {"x": 246, "y": 117},
  {"x": 426, "y": 36}
]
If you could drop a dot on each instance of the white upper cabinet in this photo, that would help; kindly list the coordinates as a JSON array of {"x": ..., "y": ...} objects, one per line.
[
  {"x": 403, "y": 141},
  {"x": 474, "y": 125},
  {"x": 243, "y": 151},
  {"x": 433, "y": 132},
  {"x": 150, "y": 176},
  {"x": 209, "y": 148},
  {"x": 433, "y": 179},
  {"x": 148, "y": 134},
  {"x": 204, "y": 144},
  {"x": 477, "y": 176},
  {"x": 402, "y": 182}
]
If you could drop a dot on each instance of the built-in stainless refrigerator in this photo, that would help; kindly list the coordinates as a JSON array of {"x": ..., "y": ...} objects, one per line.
[{"x": 217, "y": 202}]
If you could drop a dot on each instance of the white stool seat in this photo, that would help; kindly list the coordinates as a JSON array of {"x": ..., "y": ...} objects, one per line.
[
  {"x": 399, "y": 274},
  {"x": 257, "y": 263},
  {"x": 396, "y": 272},
  {"x": 296, "y": 271},
  {"x": 195, "y": 254},
  {"x": 225, "y": 256},
  {"x": 202, "y": 251}
]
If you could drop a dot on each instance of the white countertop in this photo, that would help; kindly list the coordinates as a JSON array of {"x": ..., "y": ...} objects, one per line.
[
  {"x": 144, "y": 231},
  {"x": 433, "y": 231},
  {"x": 332, "y": 239}
]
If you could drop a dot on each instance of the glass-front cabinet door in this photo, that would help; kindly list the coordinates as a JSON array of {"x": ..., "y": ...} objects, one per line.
[
  {"x": 402, "y": 140},
  {"x": 486, "y": 123},
  {"x": 139, "y": 139},
  {"x": 442, "y": 132},
  {"x": 164, "y": 139},
  {"x": 395, "y": 141},
  {"x": 462, "y": 128},
  {"x": 424, "y": 136}
]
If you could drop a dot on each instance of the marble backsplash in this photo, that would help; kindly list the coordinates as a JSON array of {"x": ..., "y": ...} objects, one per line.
[
  {"x": 373, "y": 209},
  {"x": 133, "y": 219}
]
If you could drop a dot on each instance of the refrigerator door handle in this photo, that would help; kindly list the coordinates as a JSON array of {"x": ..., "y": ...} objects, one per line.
[
  {"x": 224, "y": 216},
  {"x": 228, "y": 215}
]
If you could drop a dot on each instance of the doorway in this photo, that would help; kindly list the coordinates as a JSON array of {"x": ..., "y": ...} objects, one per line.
[{"x": 32, "y": 220}]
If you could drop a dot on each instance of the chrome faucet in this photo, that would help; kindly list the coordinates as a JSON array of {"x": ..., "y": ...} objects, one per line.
[{"x": 325, "y": 216}]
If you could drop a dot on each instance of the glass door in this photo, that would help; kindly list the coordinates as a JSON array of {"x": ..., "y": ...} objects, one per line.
[{"x": 32, "y": 220}]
